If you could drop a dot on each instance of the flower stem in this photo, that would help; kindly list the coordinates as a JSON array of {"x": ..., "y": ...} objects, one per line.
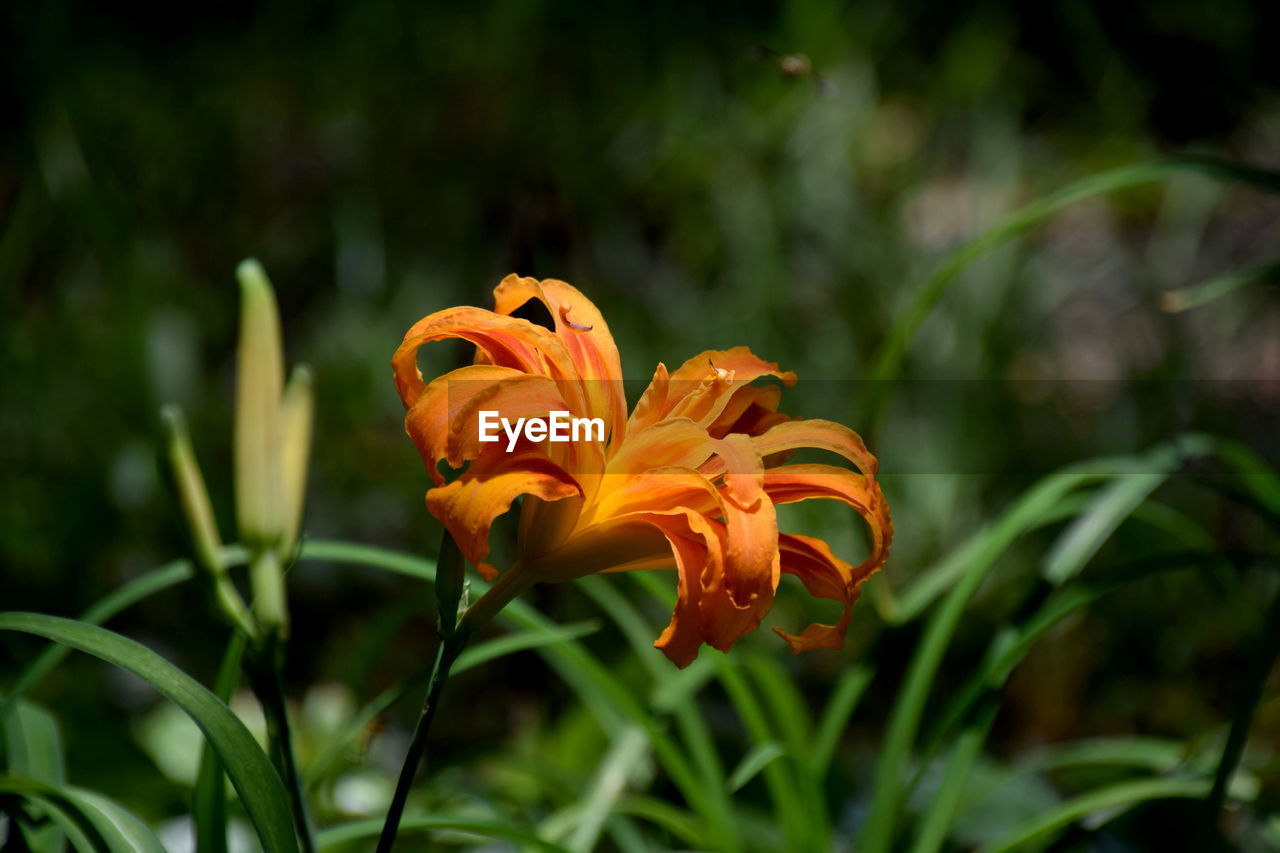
[
  {"x": 264, "y": 676},
  {"x": 1250, "y": 694},
  {"x": 451, "y": 645}
]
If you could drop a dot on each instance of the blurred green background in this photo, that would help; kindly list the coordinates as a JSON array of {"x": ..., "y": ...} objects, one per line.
[{"x": 387, "y": 159}]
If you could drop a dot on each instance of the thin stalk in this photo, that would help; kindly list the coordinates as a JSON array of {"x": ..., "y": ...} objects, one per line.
[
  {"x": 451, "y": 645},
  {"x": 1264, "y": 658},
  {"x": 264, "y": 677}
]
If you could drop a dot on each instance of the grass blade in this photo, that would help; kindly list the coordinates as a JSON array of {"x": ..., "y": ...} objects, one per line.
[
  {"x": 891, "y": 770},
  {"x": 1114, "y": 799},
  {"x": 33, "y": 750},
  {"x": 130, "y": 593},
  {"x": 606, "y": 786},
  {"x": 1186, "y": 298},
  {"x": 1116, "y": 502},
  {"x": 251, "y": 773},
  {"x": 480, "y": 653},
  {"x": 608, "y": 698},
  {"x": 209, "y": 800},
  {"x": 760, "y": 756},
  {"x": 936, "y": 821},
  {"x": 361, "y": 829},
  {"x": 849, "y": 688},
  {"x": 1250, "y": 694},
  {"x": 92, "y": 821},
  {"x": 660, "y": 813},
  {"x": 887, "y": 365}
]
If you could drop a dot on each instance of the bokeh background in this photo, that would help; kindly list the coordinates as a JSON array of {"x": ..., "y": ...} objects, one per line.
[{"x": 387, "y": 159}]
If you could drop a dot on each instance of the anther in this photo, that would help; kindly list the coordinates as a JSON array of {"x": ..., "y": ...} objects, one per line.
[{"x": 564, "y": 315}]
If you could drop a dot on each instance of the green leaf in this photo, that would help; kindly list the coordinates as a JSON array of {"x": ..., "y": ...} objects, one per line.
[
  {"x": 673, "y": 819},
  {"x": 254, "y": 778},
  {"x": 756, "y": 759},
  {"x": 1081, "y": 542},
  {"x": 209, "y": 801},
  {"x": 1112, "y": 505},
  {"x": 1159, "y": 755},
  {"x": 629, "y": 750},
  {"x": 1013, "y": 642},
  {"x": 520, "y": 641},
  {"x": 849, "y": 688},
  {"x": 92, "y": 821},
  {"x": 604, "y": 694},
  {"x": 1114, "y": 800},
  {"x": 146, "y": 585},
  {"x": 359, "y": 829},
  {"x": 130, "y": 593},
  {"x": 33, "y": 750},
  {"x": 1219, "y": 286},
  {"x": 888, "y": 362},
  {"x": 935, "y": 823},
  {"x": 475, "y": 655},
  {"x": 369, "y": 555},
  {"x": 33, "y": 746},
  {"x": 799, "y": 831},
  {"x": 672, "y": 690}
]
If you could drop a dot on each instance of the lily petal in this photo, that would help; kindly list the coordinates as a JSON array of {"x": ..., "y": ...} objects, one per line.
[
  {"x": 792, "y": 483},
  {"x": 468, "y": 506},
  {"x": 702, "y": 387},
  {"x": 505, "y": 341},
  {"x": 585, "y": 335},
  {"x": 434, "y": 421},
  {"x": 825, "y": 576},
  {"x": 736, "y": 599}
]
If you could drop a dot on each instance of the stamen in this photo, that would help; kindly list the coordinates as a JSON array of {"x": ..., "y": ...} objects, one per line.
[
  {"x": 721, "y": 373},
  {"x": 564, "y": 315}
]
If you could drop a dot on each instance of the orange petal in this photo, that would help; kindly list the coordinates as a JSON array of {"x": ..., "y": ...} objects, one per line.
[
  {"x": 702, "y": 387},
  {"x": 824, "y": 435},
  {"x": 468, "y": 506},
  {"x": 745, "y": 409},
  {"x": 696, "y": 548},
  {"x": 585, "y": 335},
  {"x": 736, "y": 599},
  {"x": 792, "y": 483},
  {"x": 430, "y": 421},
  {"x": 505, "y": 341},
  {"x": 677, "y": 442},
  {"x": 655, "y": 490},
  {"x": 601, "y": 547},
  {"x": 826, "y": 576}
]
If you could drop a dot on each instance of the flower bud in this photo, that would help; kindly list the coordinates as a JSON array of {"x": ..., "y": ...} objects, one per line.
[
  {"x": 296, "y": 416},
  {"x": 259, "y": 379},
  {"x": 192, "y": 493}
]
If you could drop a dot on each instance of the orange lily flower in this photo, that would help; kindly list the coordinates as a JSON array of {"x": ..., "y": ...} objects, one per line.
[{"x": 690, "y": 480}]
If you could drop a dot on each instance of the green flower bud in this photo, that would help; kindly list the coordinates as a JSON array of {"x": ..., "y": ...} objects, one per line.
[{"x": 259, "y": 381}]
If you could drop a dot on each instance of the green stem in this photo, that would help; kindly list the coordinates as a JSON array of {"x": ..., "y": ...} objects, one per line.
[
  {"x": 264, "y": 676},
  {"x": 451, "y": 645},
  {"x": 1264, "y": 658}
]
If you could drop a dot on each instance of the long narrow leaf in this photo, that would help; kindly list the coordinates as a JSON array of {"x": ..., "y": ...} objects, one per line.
[
  {"x": 370, "y": 828},
  {"x": 254, "y": 778},
  {"x": 209, "y": 801},
  {"x": 489, "y": 650},
  {"x": 935, "y": 823},
  {"x": 600, "y": 689},
  {"x": 93, "y": 822},
  {"x": 849, "y": 688},
  {"x": 33, "y": 750},
  {"x": 888, "y": 362},
  {"x": 1113, "y": 800}
]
